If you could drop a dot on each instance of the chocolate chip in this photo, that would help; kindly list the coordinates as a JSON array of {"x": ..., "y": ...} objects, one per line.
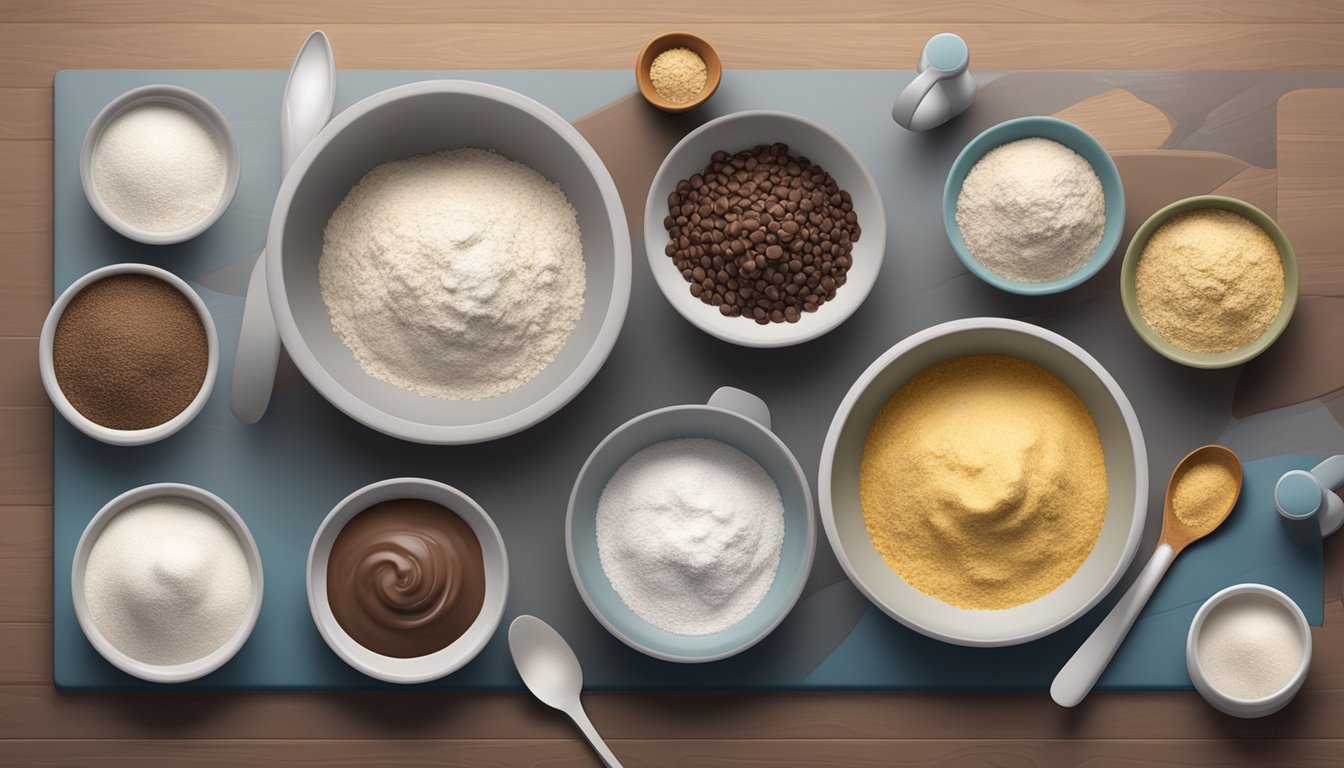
[{"x": 761, "y": 234}]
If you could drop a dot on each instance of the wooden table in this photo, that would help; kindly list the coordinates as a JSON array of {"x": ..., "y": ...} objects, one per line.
[{"x": 39, "y": 725}]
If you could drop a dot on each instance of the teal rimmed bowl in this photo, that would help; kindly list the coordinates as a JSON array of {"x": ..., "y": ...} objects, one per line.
[
  {"x": 1074, "y": 138},
  {"x": 742, "y": 421},
  {"x": 1130, "y": 268}
]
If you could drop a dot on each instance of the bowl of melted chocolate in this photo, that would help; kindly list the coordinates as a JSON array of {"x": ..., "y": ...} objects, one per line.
[{"x": 407, "y": 579}]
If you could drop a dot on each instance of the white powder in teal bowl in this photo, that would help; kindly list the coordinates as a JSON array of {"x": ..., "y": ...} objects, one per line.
[{"x": 690, "y": 533}]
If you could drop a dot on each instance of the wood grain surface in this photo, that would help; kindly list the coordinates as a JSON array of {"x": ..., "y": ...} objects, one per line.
[{"x": 40, "y": 726}]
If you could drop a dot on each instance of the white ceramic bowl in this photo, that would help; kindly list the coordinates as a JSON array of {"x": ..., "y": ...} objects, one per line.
[
  {"x": 422, "y": 118},
  {"x": 97, "y": 431},
  {"x": 203, "y": 110},
  {"x": 1126, "y": 475},
  {"x": 744, "y": 130},
  {"x": 174, "y": 673},
  {"x": 418, "y": 669},
  {"x": 1231, "y": 705}
]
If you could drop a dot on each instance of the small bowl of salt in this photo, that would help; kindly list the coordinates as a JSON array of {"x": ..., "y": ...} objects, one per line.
[
  {"x": 1248, "y": 650},
  {"x": 167, "y": 582},
  {"x": 159, "y": 164}
]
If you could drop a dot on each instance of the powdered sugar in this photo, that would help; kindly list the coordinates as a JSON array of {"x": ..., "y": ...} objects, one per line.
[
  {"x": 1032, "y": 210},
  {"x": 690, "y": 533},
  {"x": 458, "y": 275}
]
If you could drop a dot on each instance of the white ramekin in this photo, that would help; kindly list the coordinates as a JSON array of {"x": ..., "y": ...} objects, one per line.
[
  {"x": 81, "y": 422},
  {"x": 1237, "y": 707},
  {"x": 418, "y": 669},
  {"x": 202, "y": 109},
  {"x": 174, "y": 673}
]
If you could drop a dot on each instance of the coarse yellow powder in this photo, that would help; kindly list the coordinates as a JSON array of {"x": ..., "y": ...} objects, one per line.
[
  {"x": 983, "y": 482},
  {"x": 678, "y": 75},
  {"x": 1209, "y": 281},
  {"x": 1203, "y": 493}
]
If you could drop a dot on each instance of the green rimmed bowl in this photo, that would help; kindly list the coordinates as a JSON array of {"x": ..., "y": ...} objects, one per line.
[{"x": 1129, "y": 271}]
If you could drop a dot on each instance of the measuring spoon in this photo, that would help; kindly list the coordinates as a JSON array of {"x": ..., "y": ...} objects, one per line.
[
  {"x": 310, "y": 95},
  {"x": 1081, "y": 672}
]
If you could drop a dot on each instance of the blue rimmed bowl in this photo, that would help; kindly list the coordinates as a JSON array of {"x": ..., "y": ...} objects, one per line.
[
  {"x": 742, "y": 421},
  {"x": 1074, "y": 138}
]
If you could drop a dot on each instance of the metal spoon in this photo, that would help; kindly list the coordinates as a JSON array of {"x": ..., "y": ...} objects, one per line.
[
  {"x": 551, "y": 671},
  {"x": 309, "y": 97},
  {"x": 1076, "y": 679}
]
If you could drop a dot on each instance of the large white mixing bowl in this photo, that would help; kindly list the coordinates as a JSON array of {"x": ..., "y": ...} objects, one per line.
[
  {"x": 1126, "y": 476},
  {"x": 422, "y": 118}
]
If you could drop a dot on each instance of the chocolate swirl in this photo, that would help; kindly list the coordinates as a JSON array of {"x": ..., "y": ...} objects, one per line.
[{"x": 405, "y": 578}]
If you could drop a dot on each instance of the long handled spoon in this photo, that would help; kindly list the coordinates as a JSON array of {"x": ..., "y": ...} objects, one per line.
[
  {"x": 551, "y": 671},
  {"x": 310, "y": 94},
  {"x": 1078, "y": 676}
]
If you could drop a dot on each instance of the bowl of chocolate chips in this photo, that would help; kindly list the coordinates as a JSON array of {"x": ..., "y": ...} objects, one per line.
[{"x": 764, "y": 229}]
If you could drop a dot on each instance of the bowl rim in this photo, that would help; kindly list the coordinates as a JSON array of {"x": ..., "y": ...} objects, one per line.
[
  {"x": 1209, "y": 360},
  {"x": 809, "y": 536},
  {"x": 384, "y": 667},
  {"x": 526, "y": 416},
  {"x": 1224, "y": 702},
  {"x": 171, "y": 673},
  {"x": 981, "y": 145},
  {"x": 47, "y": 366},
  {"x": 183, "y": 98},
  {"x": 1138, "y": 519},
  {"x": 665, "y": 41},
  {"x": 725, "y": 328}
]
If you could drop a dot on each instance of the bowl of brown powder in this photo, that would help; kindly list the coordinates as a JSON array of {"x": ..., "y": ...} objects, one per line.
[
  {"x": 984, "y": 482},
  {"x": 1209, "y": 281},
  {"x": 128, "y": 354}
]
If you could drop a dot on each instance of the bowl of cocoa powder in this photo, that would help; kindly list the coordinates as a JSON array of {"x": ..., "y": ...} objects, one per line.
[
  {"x": 764, "y": 229},
  {"x": 128, "y": 354}
]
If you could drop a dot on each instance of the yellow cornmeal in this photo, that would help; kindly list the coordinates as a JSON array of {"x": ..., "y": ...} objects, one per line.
[
  {"x": 1209, "y": 281},
  {"x": 983, "y": 482},
  {"x": 1203, "y": 493}
]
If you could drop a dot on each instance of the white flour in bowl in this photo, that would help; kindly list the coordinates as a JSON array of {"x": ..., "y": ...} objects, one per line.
[
  {"x": 1032, "y": 210},
  {"x": 457, "y": 275}
]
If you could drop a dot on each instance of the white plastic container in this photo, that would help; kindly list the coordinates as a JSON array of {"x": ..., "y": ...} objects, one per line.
[{"x": 1232, "y": 705}]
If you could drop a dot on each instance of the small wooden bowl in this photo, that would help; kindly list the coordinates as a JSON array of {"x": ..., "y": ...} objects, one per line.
[{"x": 667, "y": 41}]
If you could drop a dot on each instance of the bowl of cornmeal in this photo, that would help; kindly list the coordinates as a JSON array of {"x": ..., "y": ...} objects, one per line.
[
  {"x": 984, "y": 482},
  {"x": 1209, "y": 281}
]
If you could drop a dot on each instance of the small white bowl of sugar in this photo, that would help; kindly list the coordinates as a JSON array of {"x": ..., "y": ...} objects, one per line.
[
  {"x": 1248, "y": 650},
  {"x": 167, "y": 582},
  {"x": 159, "y": 164}
]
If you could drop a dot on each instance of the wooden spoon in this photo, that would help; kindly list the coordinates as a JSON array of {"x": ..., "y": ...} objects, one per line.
[{"x": 1081, "y": 672}]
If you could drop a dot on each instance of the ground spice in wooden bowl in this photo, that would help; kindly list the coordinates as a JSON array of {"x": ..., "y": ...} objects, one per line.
[{"x": 130, "y": 352}]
